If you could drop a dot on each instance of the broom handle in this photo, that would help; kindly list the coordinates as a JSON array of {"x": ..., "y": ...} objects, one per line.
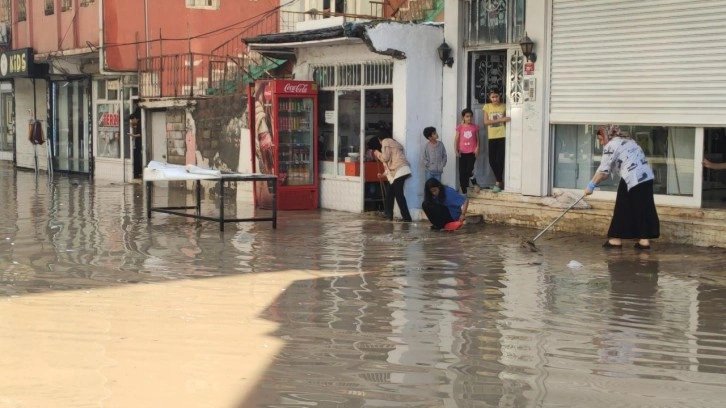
[{"x": 558, "y": 218}]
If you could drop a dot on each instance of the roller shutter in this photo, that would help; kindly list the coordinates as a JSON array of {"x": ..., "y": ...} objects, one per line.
[{"x": 639, "y": 61}]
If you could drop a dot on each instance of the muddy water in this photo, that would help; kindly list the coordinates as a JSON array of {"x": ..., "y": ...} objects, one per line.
[{"x": 101, "y": 307}]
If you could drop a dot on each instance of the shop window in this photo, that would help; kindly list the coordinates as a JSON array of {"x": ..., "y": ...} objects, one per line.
[
  {"x": 6, "y": 121},
  {"x": 203, "y": 4},
  {"x": 108, "y": 118},
  {"x": 713, "y": 194},
  {"x": 495, "y": 21},
  {"x": 350, "y": 112},
  {"x": 669, "y": 150}
]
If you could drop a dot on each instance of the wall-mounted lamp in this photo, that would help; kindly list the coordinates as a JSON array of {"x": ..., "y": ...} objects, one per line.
[
  {"x": 527, "y": 47},
  {"x": 445, "y": 54}
]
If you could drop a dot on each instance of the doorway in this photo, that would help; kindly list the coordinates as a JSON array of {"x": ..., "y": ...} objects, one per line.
[
  {"x": 713, "y": 194},
  {"x": 488, "y": 70},
  {"x": 70, "y": 141}
]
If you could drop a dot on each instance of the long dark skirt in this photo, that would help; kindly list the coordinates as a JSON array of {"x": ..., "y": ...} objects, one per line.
[{"x": 635, "y": 216}]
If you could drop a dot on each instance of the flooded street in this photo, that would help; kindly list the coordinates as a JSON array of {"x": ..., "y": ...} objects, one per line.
[{"x": 100, "y": 307}]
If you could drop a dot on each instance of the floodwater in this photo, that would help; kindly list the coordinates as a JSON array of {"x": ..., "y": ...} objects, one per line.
[{"x": 100, "y": 307}]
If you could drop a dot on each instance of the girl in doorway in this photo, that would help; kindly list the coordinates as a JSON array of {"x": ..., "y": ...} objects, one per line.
[{"x": 466, "y": 145}]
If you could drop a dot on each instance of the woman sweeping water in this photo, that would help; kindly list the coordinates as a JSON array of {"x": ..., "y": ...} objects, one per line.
[{"x": 634, "y": 216}]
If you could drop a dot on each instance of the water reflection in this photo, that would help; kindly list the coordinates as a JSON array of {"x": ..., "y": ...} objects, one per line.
[{"x": 395, "y": 314}]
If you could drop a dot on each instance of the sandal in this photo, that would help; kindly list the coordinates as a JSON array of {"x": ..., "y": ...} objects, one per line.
[
  {"x": 607, "y": 244},
  {"x": 638, "y": 246}
]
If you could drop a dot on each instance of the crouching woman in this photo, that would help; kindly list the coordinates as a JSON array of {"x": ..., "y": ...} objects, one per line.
[{"x": 443, "y": 205}]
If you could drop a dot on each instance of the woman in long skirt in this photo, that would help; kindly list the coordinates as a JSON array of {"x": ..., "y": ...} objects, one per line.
[{"x": 634, "y": 216}]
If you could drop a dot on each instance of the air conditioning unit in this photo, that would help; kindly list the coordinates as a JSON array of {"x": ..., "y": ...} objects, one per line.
[{"x": 4, "y": 33}]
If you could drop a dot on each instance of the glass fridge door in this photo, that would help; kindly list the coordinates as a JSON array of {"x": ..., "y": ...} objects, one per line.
[{"x": 295, "y": 150}]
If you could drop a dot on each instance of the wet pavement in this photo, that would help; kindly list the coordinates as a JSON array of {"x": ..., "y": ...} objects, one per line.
[{"x": 100, "y": 307}]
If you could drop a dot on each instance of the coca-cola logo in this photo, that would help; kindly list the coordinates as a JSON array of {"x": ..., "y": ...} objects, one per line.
[{"x": 296, "y": 88}]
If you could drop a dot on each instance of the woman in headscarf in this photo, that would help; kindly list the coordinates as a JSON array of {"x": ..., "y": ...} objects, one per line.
[
  {"x": 634, "y": 216},
  {"x": 397, "y": 171}
]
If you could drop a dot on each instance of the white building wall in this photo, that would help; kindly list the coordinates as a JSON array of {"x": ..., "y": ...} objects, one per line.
[
  {"x": 417, "y": 93},
  {"x": 417, "y": 99},
  {"x": 527, "y": 162},
  {"x": 25, "y": 105}
]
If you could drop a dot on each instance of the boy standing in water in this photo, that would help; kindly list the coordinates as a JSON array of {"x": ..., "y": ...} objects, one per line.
[
  {"x": 434, "y": 155},
  {"x": 495, "y": 116}
]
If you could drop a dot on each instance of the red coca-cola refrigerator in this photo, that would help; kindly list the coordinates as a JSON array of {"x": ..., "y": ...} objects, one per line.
[{"x": 283, "y": 126}]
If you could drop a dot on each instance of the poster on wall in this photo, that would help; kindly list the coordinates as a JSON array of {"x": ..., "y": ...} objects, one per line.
[{"x": 109, "y": 130}]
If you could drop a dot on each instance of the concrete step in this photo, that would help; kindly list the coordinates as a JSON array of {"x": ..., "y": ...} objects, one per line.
[{"x": 690, "y": 226}]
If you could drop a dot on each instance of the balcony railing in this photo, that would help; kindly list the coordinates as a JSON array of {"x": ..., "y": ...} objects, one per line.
[
  {"x": 313, "y": 14},
  {"x": 183, "y": 75},
  {"x": 231, "y": 64}
]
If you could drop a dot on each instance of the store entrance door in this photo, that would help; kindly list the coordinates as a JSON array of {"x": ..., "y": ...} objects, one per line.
[{"x": 488, "y": 71}]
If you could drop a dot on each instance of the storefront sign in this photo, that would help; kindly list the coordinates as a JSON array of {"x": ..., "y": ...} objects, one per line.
[
  {"x": 109, "y": 120},
  {"x": 17, "y": 63}
]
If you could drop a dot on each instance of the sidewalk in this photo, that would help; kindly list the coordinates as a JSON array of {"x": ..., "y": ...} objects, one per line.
[{"x": 679, "y": 225}]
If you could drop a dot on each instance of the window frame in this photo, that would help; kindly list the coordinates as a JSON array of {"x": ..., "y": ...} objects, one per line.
[
  {"x": 692, "y": 200},
  {"x": 344, "y": 77},
  {"x": 194, "y": 4}
]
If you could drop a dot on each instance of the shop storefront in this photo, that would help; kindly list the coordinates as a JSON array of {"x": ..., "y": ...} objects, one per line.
[
  {"x": 21, "y": 85},
  {"x": 7, "y": 122},
  {"x": 113, "y": 103},
  {"x": 370, "y": 77},
  {"x": 663, "y": 86}
]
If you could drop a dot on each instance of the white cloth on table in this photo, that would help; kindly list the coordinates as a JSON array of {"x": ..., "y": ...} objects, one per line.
[{"x": 160, "y": 171}]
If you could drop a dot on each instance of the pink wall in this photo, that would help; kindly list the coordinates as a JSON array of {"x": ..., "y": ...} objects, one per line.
[
  {"x": 74, "y": 27},
  {"x": 178, "y": 26},
  {"x": 124, "y": 36}
]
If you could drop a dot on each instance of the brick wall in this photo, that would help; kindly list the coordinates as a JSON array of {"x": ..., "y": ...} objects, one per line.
[
  {"x": 219, "y": 122},
  {"x": 175, "y": 129}
]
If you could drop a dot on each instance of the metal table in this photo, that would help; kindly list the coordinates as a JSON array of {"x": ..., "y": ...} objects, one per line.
[{"x": 221, "y": 179}]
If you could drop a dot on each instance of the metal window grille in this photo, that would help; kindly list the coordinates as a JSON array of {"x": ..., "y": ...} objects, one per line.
[
  {"x": 349, "y": 75},
  {"x": 370, "y": 73},
  {"x": 5, "y": 4},
  {"x": 494, "y": 21},
  {"x": 21, "y": 10},
  {"x": 202, "y": 3},
  {"x": 378, "y": 73}
]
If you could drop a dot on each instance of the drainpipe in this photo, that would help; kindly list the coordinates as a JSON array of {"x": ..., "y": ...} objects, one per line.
[
  {"x": 146, "y": 26},
  {"x": 101, "y": 55}
]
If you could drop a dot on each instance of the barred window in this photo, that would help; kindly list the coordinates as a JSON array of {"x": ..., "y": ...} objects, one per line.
[
  {"x": 5, "y": 5},
  {"x": 21, "y": 10},
  {"x": 206, "y": 4},
  {"x": 371, "y": 73},
  {"x": 495, "y": 21}
]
